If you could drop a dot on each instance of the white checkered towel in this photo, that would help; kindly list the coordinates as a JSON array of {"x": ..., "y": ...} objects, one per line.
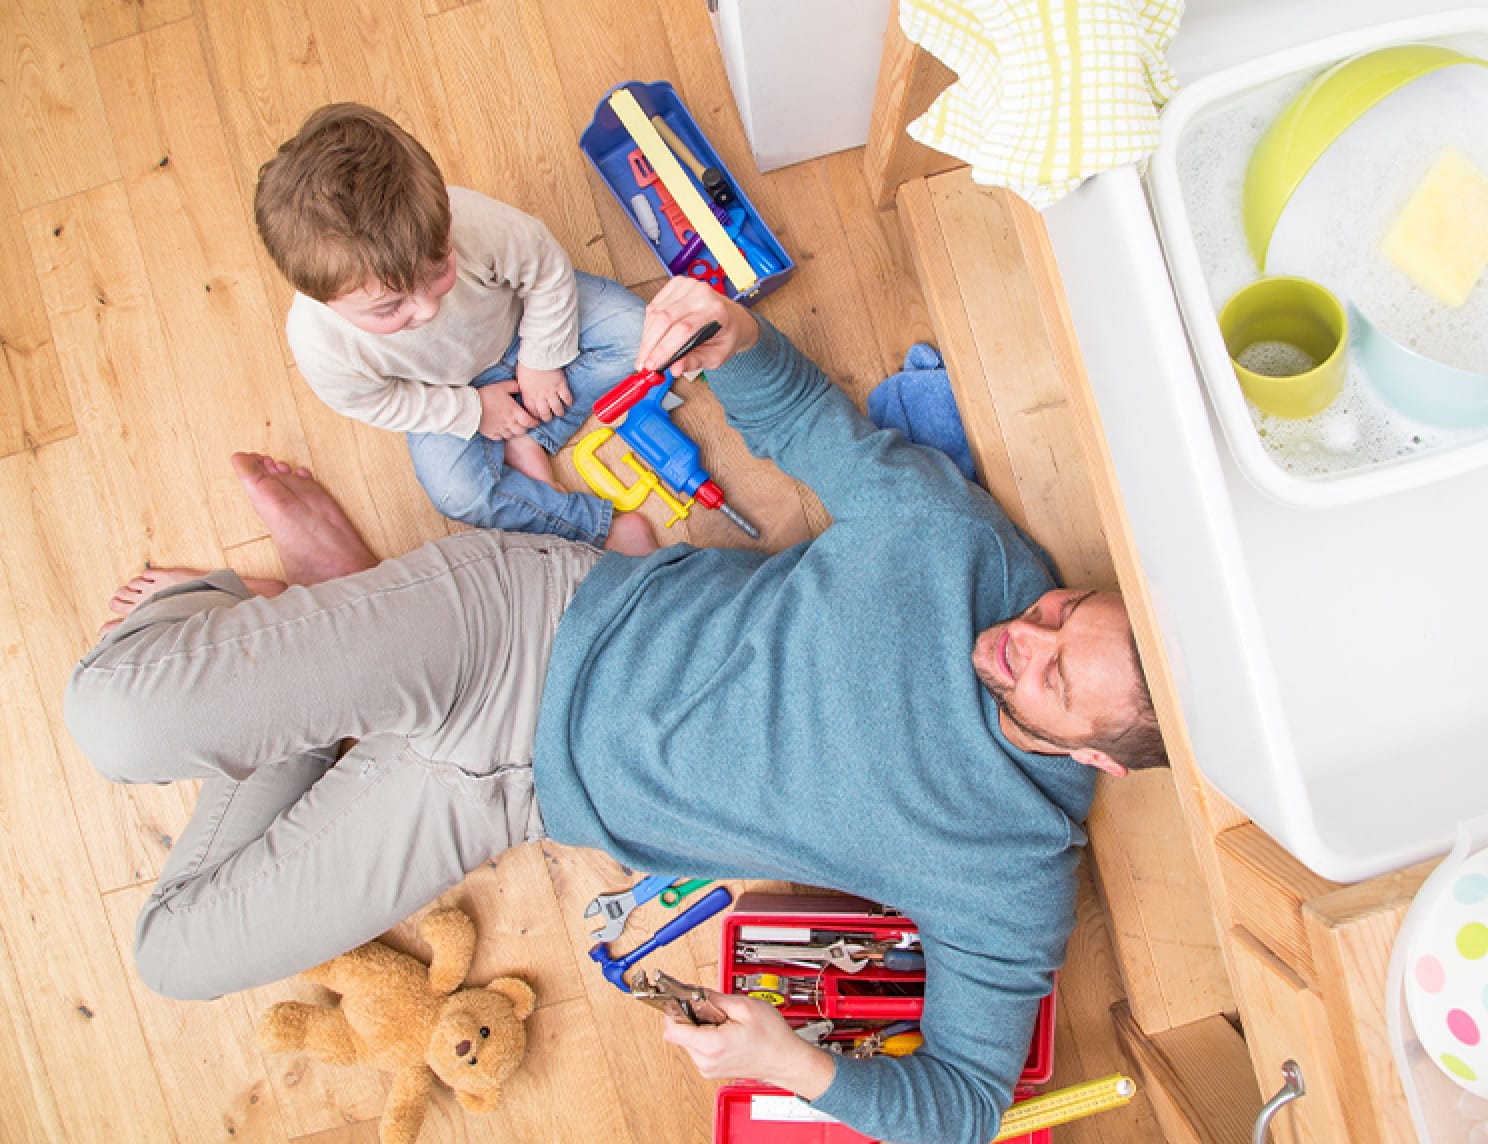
[{"x": 1050, "y": 91}]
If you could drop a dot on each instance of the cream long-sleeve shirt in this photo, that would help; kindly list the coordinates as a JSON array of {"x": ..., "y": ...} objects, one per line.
[{"x": 511, "y": 278}]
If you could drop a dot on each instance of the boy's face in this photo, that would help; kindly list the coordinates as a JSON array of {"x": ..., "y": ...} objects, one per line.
[{"x": 377, "y": 310}]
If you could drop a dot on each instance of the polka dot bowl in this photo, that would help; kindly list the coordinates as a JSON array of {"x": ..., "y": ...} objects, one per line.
[{"x": 1446, "y": 975}]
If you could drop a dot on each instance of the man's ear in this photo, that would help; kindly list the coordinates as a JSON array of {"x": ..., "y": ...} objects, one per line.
[{"x": 1090, "y": 757}]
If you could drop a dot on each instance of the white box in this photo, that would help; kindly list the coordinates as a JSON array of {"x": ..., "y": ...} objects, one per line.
[{"x": 803, "y": 72}]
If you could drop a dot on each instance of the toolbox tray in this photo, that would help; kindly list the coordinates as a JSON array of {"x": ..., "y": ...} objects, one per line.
[
  {"x": 734, "y": 1110},
  {"x": 607, "y": 145},
  {"x": 734, "y": 1122}
]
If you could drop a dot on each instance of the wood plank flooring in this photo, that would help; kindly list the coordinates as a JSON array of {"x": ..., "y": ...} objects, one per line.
[{"x": 141, "y": 342}]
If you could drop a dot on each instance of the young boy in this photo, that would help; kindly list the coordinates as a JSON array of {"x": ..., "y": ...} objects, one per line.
[{"x": 446, "y": 315}]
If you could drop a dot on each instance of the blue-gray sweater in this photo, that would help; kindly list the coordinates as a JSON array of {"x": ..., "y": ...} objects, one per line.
[{"x": 813, "y": 716}]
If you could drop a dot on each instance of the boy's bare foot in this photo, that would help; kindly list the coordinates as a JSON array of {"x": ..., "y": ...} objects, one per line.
[
  {"x": 315, "y": 539},
  {"x": 528, "y": 457},
  {"x": 631, "y": 535},
  {"x": 151, "y": 580}
]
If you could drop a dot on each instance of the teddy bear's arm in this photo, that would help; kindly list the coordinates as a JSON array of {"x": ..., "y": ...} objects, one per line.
[
  {"x": 481, "y": 1102},
  {"x": 451, "y": 935},
  {"x": 404, "y": 1114}
]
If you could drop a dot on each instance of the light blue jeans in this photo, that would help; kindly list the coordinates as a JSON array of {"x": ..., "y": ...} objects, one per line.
[{"x": 469, "y": 481}]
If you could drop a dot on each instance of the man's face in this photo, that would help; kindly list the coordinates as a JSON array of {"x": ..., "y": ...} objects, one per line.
[
  {"x": 1059, "y": 671},
  {"x": 377, "y": 310}
]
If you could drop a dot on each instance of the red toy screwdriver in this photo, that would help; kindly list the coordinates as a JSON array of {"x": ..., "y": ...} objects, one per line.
[{"x": 614, "y": 403}]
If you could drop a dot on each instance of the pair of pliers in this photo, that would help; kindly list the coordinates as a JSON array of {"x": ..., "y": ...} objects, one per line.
[
  {"x": 676, "y": 999},
  {"x": 673, "y": 895}
]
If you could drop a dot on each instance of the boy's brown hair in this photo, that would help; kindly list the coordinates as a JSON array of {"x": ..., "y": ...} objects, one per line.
[{"x": 352, "y": 198}]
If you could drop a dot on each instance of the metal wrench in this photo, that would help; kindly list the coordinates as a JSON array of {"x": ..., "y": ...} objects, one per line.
[
  {"x": 840, "y": 954},
  {"x": 617, "y": 907}
]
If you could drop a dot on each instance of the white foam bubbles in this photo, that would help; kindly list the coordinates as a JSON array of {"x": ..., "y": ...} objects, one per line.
[{"x": 1276, "y": 359}]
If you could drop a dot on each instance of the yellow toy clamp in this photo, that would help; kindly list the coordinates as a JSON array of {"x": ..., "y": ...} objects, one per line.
[{"x": 626, "y": 498}]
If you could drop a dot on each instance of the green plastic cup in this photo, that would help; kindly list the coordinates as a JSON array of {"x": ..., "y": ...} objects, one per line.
[{"x": 1287, "y": 339}]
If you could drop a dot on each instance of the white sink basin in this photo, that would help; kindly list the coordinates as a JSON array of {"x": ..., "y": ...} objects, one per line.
[{"x": 1332, "y": 663}]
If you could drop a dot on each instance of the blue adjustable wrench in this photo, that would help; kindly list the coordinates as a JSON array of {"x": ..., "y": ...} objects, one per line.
[{"x": 617, "y": 907}]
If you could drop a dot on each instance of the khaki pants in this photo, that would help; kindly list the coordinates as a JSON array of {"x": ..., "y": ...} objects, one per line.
[{"x": 434, "y": 662}]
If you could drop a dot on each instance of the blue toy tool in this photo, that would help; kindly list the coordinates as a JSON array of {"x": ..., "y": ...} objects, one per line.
[
  {"x": 616, "y": 908},
  {"x": 615, "y": 968},
  {"x": 648, "y": 430},
  {"x": 763, "y": 261}
]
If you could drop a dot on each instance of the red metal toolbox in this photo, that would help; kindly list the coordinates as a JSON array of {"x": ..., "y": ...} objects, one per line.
[{"x": 746, "y": 1112}]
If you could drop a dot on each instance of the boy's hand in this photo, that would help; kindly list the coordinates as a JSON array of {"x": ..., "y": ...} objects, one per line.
[
  {"x": 756, "y": 1042},
  {"x": 502, "y": 416},
  {"x": 679, "y": 309},
  {"x": 545, "y": 392}
]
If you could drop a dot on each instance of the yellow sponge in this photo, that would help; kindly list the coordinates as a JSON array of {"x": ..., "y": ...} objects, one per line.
[{"x": 1440, "y": 239}]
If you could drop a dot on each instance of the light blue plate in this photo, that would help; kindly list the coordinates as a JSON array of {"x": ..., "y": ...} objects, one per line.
[{"x": 1420, "y": 387}]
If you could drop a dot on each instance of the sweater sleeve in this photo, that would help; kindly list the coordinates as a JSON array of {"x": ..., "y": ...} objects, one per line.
[
  {"x": 977, "y": 1024},
  {"x": 394, "y": 403},
  {"x": 518, "y": 252},
  {"x": 787, "y": 411}
]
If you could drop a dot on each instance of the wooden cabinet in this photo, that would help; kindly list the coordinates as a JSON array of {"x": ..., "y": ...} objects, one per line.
[{"x": 1286, "y": 1021}]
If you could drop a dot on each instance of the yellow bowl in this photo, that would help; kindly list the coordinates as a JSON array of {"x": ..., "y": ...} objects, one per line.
[
  {"x": 1299, "y": 314},
  {"x": 1312, "y": 123}
]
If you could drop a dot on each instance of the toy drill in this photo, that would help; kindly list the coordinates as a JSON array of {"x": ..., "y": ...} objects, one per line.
[{"x": 650, "y": 433}]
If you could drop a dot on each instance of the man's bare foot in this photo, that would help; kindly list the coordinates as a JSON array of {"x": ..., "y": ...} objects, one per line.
[
  {"x": 146, "y": 584},
  {"x": 152, "y": 580},
  {"x": 631, "y": 535},
  {"x": 528, "y": 457},
  {"x": 316, "y": 541}
]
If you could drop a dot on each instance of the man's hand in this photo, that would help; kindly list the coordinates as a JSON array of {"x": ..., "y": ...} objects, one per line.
[
  {"x": 502, "y": 417},
  {"x": 679, "y": 309},
  {"x": 545, "y": 392},
  {"x": 756, "y": 1042}
]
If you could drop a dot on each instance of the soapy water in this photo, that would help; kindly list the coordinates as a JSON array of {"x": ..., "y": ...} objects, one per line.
[
  {"x": 1276, "y": 359},
  {"x": 1331, "y": 232}
]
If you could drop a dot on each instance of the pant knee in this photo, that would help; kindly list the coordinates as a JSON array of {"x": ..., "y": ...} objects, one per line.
[
  {"x": 611, "y": 318},
  {"x": 114, "y": 732},
  {"x": 618, "y": 332},
  {"x": 469, "y": 503},
  {"x": 164, "y": 965}
]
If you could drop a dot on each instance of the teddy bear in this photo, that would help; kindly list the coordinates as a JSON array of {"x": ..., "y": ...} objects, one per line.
[{"x": 418, "y": 1023}]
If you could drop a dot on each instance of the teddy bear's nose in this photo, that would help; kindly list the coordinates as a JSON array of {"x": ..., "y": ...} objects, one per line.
[{"x": 462, "y": 1048}]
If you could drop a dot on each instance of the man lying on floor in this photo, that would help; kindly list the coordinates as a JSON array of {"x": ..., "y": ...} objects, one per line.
[{"x": 905, "y": 708}]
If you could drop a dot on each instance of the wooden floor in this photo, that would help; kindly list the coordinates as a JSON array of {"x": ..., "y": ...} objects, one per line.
[{"x": 140, "y": 328}]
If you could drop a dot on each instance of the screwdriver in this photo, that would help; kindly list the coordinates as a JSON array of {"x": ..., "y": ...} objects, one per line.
[{"x": 637, "y": 385}]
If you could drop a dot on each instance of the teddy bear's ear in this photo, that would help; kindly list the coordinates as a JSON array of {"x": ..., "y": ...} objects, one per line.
[
  {"x": 479, "y": 1102},
  {"x": 518, "y": 992}
]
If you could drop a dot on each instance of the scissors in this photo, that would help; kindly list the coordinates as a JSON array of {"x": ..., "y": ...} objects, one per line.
[{"x": 705, "y": 271}]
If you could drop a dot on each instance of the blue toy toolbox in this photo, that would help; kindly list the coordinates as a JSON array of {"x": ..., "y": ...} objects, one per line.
[{"x": 618, "y": 159}]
